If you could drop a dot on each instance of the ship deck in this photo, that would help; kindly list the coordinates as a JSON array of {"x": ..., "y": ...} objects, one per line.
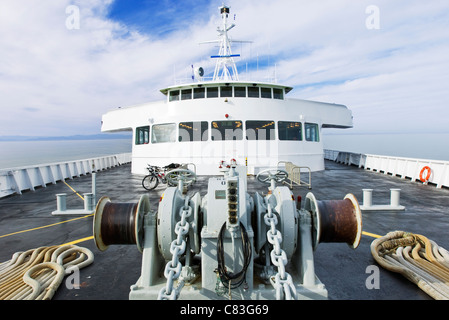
[{"x": 26, "y": 223}]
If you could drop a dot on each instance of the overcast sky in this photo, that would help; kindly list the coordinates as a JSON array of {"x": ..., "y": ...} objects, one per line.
[{"x": 388, "y": 61}]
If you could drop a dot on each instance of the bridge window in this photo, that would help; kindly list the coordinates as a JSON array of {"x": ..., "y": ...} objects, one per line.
[
  {"x": 186, "y": 94},
  {"x": 199, "y": 93},
  {"x": 278, "y": 94},
  {"x": 193, "y": 131},
  {"x": 311, "y": 132},
  {"x": 240, "y": 92},
  {"x": 174, "y": 95},
  {"x": 142, "y": 135},
  {"x": 289, "y": 130},
  {"x": 212, "y": 92},
  {"x": 226, "y": 91},
  {"x": 253, "y": 92},
  {"x": 227, "y": 130},
  {"x": 260, "y": 130},
  {"x": 163, "y": 133},
  {"x": 265, "y": 93}
]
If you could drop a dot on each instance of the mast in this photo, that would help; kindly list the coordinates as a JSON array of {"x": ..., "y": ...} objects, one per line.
[{"x": 225, "y": 68}]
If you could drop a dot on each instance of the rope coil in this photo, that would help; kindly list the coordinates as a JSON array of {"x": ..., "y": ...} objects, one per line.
[
  {"x": 37, "y": 273},
  {"x": 417, "y": 258}
]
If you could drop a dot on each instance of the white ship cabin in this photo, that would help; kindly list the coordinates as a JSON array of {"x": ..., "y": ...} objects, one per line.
[{"x": 207, "y": 122}]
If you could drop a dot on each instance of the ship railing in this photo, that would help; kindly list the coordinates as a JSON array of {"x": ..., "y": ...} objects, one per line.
[
  {"x": 402, "y": 167},
  {"x": 294, "y": 174},
  {"x": 16, "y": 180}
]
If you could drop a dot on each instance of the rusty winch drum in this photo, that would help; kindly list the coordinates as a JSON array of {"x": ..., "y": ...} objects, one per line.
[
  {"x": 119, "y": 223},
  {"x": 335, "y": 220}
]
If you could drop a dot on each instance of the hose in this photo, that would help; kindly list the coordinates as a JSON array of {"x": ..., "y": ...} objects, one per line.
[
  {"x": 36, "y": 274},
  {"x": 229, "y": 279},
  {"x": 417, "y": 258}
]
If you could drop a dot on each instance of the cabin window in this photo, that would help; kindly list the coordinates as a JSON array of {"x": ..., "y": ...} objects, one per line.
[
  {"x": 193, "y": 131},
  {"x": 265, "y": 93},
  {"x": 163, "y": 133},
  {"x": 278, "y": 94},
  {"x": 186, "y": 94},
  {"x": 253, "y": 92},
  {"x": 311, "y": 132},
  {"x": 260, "y": 130},
  {"x": 227, "y": 130},
  {"x": 143, "y": 135},
  {"x": 174, "y": 95},
  {"x": 226, "y": 91},
  {"x": 240, "y": 92},
  {"x": 289, "y": 130},
  {"x": 199, "y": 93},
  {"x": 212, "y": 92}
]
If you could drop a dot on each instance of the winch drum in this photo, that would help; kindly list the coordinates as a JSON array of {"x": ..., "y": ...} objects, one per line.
[
  {"x": 119, "y": 223},
  {"x": 335, "y": 220}
]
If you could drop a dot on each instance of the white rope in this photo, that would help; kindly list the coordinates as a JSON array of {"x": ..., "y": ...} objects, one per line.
[
  {"x": 36, "y": 274},
  {"x": 423, "y": 262}
]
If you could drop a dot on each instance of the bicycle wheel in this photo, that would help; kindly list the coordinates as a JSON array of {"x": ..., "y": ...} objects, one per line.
[{"x": 150, "y": 182}]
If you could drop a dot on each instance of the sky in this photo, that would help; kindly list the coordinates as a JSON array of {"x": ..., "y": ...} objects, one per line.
[{"x": 65, "y": 63}]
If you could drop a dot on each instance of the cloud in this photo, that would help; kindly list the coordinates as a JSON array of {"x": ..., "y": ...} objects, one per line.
[{"x": 387, "y": 76}]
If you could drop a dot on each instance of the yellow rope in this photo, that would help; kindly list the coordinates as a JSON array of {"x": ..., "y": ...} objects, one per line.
[
  {"x": 36, "y": 274},
  {"x": 412, "y": 255}
]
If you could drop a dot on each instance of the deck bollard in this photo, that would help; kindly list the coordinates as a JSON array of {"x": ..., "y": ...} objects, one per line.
[
  {"x": 367, "y": 198},
  {"x": 89, "y": 204},
  {"x": 394, "y": 197},
  {"x": 394, "y": 201},
  {"x": 61, "y": 202}
]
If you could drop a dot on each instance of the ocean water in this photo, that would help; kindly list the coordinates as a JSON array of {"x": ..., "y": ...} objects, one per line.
[
  {"x": 432, "y": 146},
  {"x": 26, "y": 153},
  {"x": 422, "y": 146}
]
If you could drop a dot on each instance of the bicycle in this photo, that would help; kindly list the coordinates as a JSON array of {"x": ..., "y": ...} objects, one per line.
[{"x": 157, "y": 175}]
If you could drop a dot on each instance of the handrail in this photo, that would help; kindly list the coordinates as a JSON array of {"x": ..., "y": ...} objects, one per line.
[
  {"x": 294, "y": 174},
  {"x": 396, "y": 166},
  {"x": 16, "y": 180}
]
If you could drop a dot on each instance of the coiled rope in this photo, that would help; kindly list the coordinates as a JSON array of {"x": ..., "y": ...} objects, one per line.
[
  {"x": 417, "y": 258},
  {"x": 36, "y": 274}
]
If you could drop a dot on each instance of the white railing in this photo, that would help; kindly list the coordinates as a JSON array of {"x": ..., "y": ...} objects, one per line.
[
  {"x": 410, "y": 168},
  {"x": 16, "y": 180}
]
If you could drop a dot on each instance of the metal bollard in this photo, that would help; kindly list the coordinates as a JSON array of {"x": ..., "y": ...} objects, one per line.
[
  {"x": 61, "y": 202},
  {"x": 394, "y": 201},
  {"x": 394, "y": 197},
  {"x": 89, "y": 204},
  {"x": 367, "y": 198}
]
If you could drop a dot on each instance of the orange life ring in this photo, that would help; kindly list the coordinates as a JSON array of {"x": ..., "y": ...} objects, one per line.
[{"x": 426, "y": 178}]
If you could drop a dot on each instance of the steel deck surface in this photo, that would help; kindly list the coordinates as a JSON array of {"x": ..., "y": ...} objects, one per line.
[{"x": 26, "y": 223}]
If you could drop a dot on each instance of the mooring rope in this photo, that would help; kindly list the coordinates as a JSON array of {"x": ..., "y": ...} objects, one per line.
[
  {"x": 37, "y": 273},
  {"x": 417, "y": 258}
]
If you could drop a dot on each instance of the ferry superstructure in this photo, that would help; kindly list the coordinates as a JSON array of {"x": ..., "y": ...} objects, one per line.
[{"x": 205, "y": 121}]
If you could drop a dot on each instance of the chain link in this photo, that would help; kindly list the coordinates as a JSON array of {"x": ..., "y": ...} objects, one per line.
[
  {"x": 282, "y": 281},
  {"x": 178, "y": 246}
]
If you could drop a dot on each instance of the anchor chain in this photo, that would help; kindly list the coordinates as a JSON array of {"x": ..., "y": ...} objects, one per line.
[
  {"x": 282, "y": 281},
  {"x": 178, "y": 246}
]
